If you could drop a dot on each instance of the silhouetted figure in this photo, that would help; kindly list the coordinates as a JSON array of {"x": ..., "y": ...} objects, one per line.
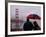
[
  {"x": 36, "y": 27},
  {"x": 28, "y": 25}
]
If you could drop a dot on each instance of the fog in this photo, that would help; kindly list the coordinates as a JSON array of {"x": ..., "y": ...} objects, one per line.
[{"x": 24, "y": 11}]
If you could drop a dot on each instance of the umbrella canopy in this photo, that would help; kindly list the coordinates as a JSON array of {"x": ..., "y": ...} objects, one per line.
[{"x": 33, "y": 16}]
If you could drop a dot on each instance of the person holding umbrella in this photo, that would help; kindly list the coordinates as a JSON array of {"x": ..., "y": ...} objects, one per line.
[
  {"x": 28, "y": 25},
  {"x": 34, "y": 17}
]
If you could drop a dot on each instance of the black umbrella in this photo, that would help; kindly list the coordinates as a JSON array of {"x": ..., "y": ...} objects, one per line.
[{"x": 33, "y": 16}]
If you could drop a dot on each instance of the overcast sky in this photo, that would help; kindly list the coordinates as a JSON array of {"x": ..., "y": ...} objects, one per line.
[{"x": 24, "y": 11}]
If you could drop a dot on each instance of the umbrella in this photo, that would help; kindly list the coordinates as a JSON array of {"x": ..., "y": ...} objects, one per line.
[{"x": 33, "y": 16}]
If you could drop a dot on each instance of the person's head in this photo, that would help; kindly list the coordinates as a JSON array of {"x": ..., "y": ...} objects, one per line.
[
  {"x": 35, "y": 22},
  {"x": 27, "y": 19}
]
